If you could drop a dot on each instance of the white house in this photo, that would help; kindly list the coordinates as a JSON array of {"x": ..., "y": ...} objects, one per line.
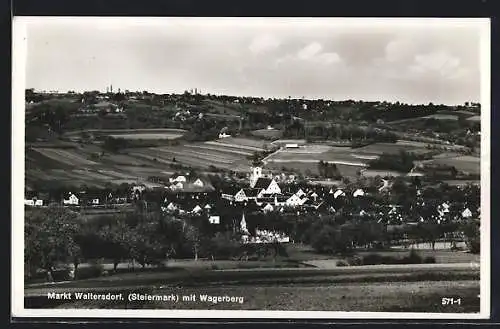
[
  {"x": 177, "y": 186},
  {"x": 197, "y": 209},
  {"x": 270, "y": 186},
  {"x": 71, "y": 200},
  {"x": 214, "y": 219},
  {"x": 240, "y": 196},
  {"x": 207, "y": 207},
  {"x": 177, "y": 179},
  {"x": 300, "y": 193},
  {"x": 292, "y": 146},
  {"x": 268, "y": 208},
  {"x": 171, "y": 206},
  {"x": 466, "y": 213},
  {"x": 338, "y": 193},
  {"x": 314, "y": 196},
  {"x": 95, "y": 201},
  {"x": 29, "y": 202},
  {"x": 358, "y": 192},
  {"x": 198, "y": 183},
  {"x": 294, "y": 201},
  {"x": 224, "y": 135}
]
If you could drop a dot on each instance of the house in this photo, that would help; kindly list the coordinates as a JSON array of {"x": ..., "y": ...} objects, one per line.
[
  {"x": 214, "y": 219},
  {"x": 198, "y": 182},
  {"x": 300, "y": 193},
  {"x": 171, "y": 206},
  {"x": 196, "y": 210},
  {"x": 268, "y": 208},
  {"x": 224, "y": 135},
  {"x": 29, "y": 202},
  {"x": 314, "y": 195},
  {"x": 292, "y": 146},
  {"x": 295, "y": 200},
  {"x": 207, "y": 207},
  {"x": 229, "y": 193},
  {"x": 466, "y": 213},
  {"x": 280, "y": 200},
  {"x": 71, "y": 200},
  {"x": 240, "y": 196},
  {"x": 252, "y": 193},
  {"x": 338, "y": 193},
  {"x": 177, "y": 179},
  {"x": 270, "y": 186},
  {"x": 358, "y": 192}
]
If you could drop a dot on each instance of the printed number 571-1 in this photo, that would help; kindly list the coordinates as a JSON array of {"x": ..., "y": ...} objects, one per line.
[{"x": 451, "y": 301}]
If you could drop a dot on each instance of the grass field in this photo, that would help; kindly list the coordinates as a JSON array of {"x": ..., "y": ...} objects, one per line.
[
  {"x": 466, "y": 163},
  {"x": 350, "y": 297},
  {"x": 442, "y": 117},
  {"x": 365, "y": 288},
  {"x": 267, "y": 133},
  {"x": 145, "y": 136},
  {"x": 475, "y": 118}
]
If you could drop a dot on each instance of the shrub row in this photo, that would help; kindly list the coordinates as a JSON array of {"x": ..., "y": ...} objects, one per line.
[{"x": 376, "y": 259}]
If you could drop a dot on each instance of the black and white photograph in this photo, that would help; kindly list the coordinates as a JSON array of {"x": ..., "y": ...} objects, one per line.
[{"x": 251, "y": 167}]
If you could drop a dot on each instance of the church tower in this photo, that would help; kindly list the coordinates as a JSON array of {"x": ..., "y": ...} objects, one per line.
[{"x": 255, "y": 175}]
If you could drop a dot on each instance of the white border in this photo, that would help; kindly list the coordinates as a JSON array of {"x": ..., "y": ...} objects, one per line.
[{"x": 19, "y": 53}]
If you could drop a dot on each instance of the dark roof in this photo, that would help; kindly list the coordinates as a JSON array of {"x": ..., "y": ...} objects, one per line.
[
  {"x": 263, "y": 183},
  {"x": 230, "y": 190},
  {"x": 251, "y": 192}
]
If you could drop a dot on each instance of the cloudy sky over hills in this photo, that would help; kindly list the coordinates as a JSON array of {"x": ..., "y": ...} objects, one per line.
[{"x": 407, "y": 61}]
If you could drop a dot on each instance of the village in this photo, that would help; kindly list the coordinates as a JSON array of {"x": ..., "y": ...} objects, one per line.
[{"x": 187, "y": 195}]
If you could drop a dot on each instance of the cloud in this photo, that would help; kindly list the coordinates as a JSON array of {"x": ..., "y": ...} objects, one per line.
[
  {"x": 264, "y": 43},
  {"x": 312, "y": 54},
  {"x": 309, "y": 51},
  {"x": 439, "y": 62},
  {"x": 399, "y": 50}
]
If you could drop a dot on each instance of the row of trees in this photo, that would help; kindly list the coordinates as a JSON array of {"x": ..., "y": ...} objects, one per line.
[{"x": 56, "y": 235}]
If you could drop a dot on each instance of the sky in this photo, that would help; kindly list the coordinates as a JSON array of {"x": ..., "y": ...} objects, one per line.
[{"x": 410, "y": 61}]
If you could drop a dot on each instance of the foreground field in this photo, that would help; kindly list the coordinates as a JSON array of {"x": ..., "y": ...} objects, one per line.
[{"x": 413, "y": 288}]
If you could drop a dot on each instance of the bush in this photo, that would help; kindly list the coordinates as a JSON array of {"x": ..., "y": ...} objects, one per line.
[
  {"x": 474, "y": 246},
  {"x": 356, "y": 260},
  {"x": 88, "y": 272},
  {"x": 429, "y": 260},
  {"x": 342, "y": 263},
  {"x": 412, "y": 258}
]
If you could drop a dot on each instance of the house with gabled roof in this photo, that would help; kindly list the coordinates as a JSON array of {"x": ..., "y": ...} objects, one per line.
[
  {"x": 269, "y": 185},
  {"x": 359, "y": 192},
  {"x": 229, "y": 193},
  {"x": 466, "y": 213},
  {"x": 196, "y": 210},
  {"x": 338, "y": 193},
  {"x": 71, "y": 199},
  {"x": 268, "y": 208}
]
